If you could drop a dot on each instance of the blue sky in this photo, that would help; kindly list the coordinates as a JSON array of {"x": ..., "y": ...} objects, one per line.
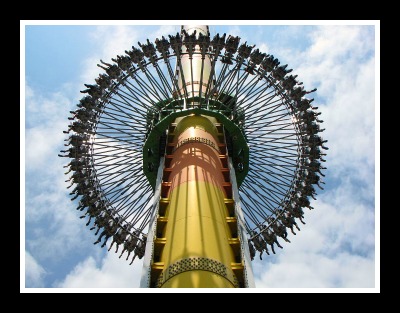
[{"x": 338, "y": 247}]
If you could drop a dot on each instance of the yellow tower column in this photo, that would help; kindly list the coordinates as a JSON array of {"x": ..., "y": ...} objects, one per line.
[
  {"x": 194, "y": 239},
  {"x": 198, "y": 240}
]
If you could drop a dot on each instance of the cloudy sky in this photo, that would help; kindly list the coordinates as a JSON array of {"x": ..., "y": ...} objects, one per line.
[{"x": 338, "y": 248}]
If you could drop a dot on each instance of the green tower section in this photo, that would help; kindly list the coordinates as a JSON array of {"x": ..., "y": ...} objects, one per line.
[{"x": 224, "y": 110}]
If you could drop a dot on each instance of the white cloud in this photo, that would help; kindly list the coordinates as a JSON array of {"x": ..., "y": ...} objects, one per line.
[
  {"x": 309, "y": 270},
  {"x": 264, "y": 48},
  {"x": 34, "y": 272},
  {"x": 58, "y": 233},
  {"x": 233, "y": 31},
  {"x": 112, "y": 272},
  {"x": 109, "y": 41},
  {"x": 164, "y": 30},
  {"x": 40, "y": 144},
  {"x": 350, "y": 123},
  {"x": 46, "y": 118},
  {"x": 336, "y": 42},
  {"x": 51, "y": 216},
  {"x": 114, "y": 40},
  {"x": 340, "y": 62},
  {"x": 337, "y": 246},
  {"x": 334, "y": 249},
  {"x": 46, "y": 110}
]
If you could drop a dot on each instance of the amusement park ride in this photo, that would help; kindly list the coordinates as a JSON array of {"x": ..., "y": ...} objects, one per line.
[{"x": 193, "y": 153}]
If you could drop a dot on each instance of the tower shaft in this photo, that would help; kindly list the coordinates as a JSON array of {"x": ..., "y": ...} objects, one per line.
[
  {"x": 194, "y": 69},
  {"x": 197, "y": 234},
  {"x": 196, "y": 241}
]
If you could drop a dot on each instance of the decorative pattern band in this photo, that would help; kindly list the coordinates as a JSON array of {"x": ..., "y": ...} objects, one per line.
[
  {"x": 195, "y": 140},
  {"x": 196, "y": 263}
]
